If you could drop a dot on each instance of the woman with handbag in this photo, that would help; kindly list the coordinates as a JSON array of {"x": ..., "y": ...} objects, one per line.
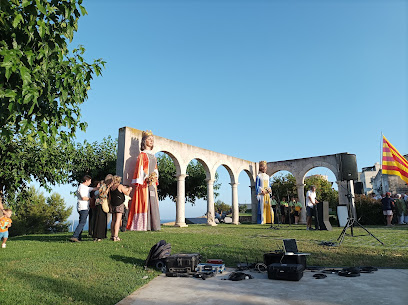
[{"x": 102, "y": 209}]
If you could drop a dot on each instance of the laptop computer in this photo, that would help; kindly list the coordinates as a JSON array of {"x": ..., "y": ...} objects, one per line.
[{"x": 291, "y": 248}]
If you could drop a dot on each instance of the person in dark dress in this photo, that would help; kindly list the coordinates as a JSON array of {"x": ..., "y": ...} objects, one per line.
[{"x": 101, "y": 217}]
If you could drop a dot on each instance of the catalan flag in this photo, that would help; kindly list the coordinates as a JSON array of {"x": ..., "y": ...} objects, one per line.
[{"x": 393, "y": 163}]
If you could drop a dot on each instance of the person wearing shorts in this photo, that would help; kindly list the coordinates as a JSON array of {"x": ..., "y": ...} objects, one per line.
[
  {"x": 387, "y": 203},
  {"x": 5, "y": 223},
  {"x": 310, "y": 204}
]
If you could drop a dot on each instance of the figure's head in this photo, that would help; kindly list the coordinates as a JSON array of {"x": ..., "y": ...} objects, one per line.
[
  {"x": 263, "y": 166},
  {"x": 313, "y": 188},
  {"x": 147, "y": 140},
  {"x": 7, "y": 213},
  {"x": 388, "y": 194}
]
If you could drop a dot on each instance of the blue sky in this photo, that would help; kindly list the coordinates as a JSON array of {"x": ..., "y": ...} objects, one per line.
[{"x": 259, "y": 80}]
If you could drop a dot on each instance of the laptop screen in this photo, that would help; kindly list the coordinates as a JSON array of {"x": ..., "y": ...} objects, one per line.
[{"x": 290, "y": 245}]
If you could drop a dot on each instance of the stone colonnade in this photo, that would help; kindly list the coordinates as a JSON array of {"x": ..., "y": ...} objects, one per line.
[{"x": 181, "y": 154}]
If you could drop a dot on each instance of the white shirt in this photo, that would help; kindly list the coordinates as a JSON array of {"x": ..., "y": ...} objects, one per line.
[
  {"x": 310, "y": 195},
  {"x": 83, "y": 191}
]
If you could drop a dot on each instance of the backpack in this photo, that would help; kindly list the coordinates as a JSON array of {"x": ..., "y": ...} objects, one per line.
[{"x": 158, "y": 254}]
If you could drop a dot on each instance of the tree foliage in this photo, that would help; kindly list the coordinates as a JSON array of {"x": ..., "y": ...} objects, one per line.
[
  {"x": 324, "y": 190},
  {"x": 23, "y": 160},
  {"x": 196, "y": 186},
  {"x": 94, "y": 159},
  {"x": 369, "y": 210},
  {"x": 42, "y": 83},
  {"x": 283, "y": 186},
  {"x": 34, "y": 213},
  {"x": 221, "y": 206}
]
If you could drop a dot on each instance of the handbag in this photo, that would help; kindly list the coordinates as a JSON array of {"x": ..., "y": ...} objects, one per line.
[{"x": 105, "y": 205}]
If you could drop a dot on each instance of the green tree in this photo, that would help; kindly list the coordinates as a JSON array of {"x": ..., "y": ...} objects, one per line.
[
  {"x": 283, "y": 186},
  {"x": 24, "y": 159},
  {"x": 324, "y": 190},
  {"x": 196, "y": 186},
  {"x": 221, "y": 206},
  {"x": 42, "y": 83},
  {"x": 94, "y": 159},
  {"x": 35, "y": 213}
]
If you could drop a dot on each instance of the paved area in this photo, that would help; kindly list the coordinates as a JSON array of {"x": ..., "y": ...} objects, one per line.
[{"x": 385, "y": 286}]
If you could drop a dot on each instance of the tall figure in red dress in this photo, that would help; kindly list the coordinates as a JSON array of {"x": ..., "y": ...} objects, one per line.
[{"x": 144, "y": 212}]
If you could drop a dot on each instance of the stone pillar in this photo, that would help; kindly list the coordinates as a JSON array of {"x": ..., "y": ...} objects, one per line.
[
  {"x": 235, "y": 207},
  {"x": 254, "y": 203},
  {"x": 210, "y": 203},
  {"x": 181, "y": 202},
  {"x": 301, "y": 197},
  {"x": 342, "y": 188}
]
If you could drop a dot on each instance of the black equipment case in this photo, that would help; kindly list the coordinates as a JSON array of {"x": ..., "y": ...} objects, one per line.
[
  {"x": 288, "y": 272},
  {"x": 182, "y": 264},
  {"x": 281, "y": 257}
]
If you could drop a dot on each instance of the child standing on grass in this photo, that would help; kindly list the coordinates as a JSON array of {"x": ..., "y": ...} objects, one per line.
[{"x": 5, "y": 223}]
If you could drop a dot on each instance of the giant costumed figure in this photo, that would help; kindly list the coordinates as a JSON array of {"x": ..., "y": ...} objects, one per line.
[
  {"x": 144, "y": 212},
  {"x": 262, "y": 191}
]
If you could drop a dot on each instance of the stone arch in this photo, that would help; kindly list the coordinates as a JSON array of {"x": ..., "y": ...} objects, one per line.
[
  {"x": 289, "y": 170},
  {"x": 208, "y": 173},
  {"x": 179, "y": 169},
  {"x": 248, "y": 172},
  {"x": 228, "y": 168},
  {"x": 307, "y": 168}
]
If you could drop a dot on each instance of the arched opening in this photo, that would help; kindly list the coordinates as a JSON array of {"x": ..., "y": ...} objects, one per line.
[
  {"x": 222, "y": 194},
  {"x": 169, "y": 168},
  {"x": 245, "y": 181},
  {"x": 327, "y": 188},
  {"x": 284, "y": 192},
  {"x": 198, "y": 174}
]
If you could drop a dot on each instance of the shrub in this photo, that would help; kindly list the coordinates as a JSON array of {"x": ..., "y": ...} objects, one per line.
[
  {"x": 33, "y": 213},
  {"x": 369, "y": 210}
]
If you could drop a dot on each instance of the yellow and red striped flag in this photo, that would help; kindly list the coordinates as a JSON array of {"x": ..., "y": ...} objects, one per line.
[{"x": 393, "y": 163}]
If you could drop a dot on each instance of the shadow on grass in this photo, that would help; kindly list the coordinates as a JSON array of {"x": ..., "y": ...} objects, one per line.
[
  {"x": 128, "y": 260},
  {"x": 65, "y": 291},
  {"x": 45, "y": 238}
]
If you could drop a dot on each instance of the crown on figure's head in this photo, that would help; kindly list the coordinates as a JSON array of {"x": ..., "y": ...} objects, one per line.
[
  {"x": 147, "y": 133},
  {"x": 262, "y": 163}
]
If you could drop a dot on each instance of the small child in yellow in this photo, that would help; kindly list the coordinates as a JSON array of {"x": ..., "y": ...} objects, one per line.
[{"x": 5, "y": 223}]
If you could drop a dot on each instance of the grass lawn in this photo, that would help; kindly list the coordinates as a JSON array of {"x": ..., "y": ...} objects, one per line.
[{"x": 48, "y": 269}]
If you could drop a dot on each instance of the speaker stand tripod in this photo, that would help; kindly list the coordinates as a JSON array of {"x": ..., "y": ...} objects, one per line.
[{"x": 351, "y": 221}]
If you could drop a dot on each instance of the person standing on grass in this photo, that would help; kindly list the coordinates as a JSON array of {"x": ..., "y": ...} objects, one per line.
[
  {"x": 83, "y": 194},
  {"x": 117, "y": 194},
  {"x": 5, "y": 223},
  {"x": 101, "y": 217},
  {"x": 311, "y": 202},
  {"x": 284, "y": 206},
  {"x": 125, "y": 214},
  {"x": 298, "y": 208},
  {"x": 387, "y": 204},
  {"x": 401, "y": 209},
  {"x": 274, "y": 205}
]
